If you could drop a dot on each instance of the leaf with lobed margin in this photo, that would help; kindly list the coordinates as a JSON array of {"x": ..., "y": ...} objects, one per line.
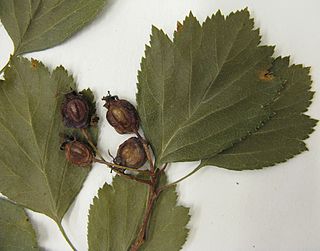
[
  {"x": 205, "y": 90},
  {"x": 30, "y": 122},
  {"x": 282, "y": 137}
]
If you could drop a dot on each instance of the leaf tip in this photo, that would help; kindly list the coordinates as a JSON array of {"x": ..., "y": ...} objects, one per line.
[
  {"x": 245, "y": 11},
  {"x": 179, "y": 26},
  {"x": 154, "y": 29}
]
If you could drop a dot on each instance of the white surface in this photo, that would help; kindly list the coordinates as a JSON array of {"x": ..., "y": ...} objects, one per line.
[{"x": 276, "y": 208}]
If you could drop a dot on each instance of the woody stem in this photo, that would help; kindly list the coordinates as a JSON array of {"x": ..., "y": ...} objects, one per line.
[
  {"x": 141, "y": 237},
  {"x": 152, "y": 197},
  {"x": 112, "y": 167}
]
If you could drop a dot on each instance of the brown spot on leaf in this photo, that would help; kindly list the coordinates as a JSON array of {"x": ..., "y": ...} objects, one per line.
[
  {"x": 265, "y": 75},
  {"x": 34, "y": 63}
]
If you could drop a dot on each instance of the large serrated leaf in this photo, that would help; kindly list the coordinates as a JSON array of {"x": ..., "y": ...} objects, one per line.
[
  {"x": 282, "y": 136},
  {"x": 205, "y": 90},
  {"x": 39, "y": 24},
  {"x": 117, "y": 212},
  {"x": 33, "y": 171},
  {"x": 16, "y": 232}
]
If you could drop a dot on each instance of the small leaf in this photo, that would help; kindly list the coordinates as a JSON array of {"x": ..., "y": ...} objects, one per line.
[
  {"x": 117, "y": 212},
  {"x": 16, "y": 232},
  {"x": 282, "y": 136},
  {"x": 33, "y": 170},
  {"x": 204, "y": 91},
  {"x": 39, "y": 24}
]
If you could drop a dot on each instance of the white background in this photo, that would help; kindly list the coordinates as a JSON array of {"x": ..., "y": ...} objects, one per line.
[{"x": 277, "y": 208}]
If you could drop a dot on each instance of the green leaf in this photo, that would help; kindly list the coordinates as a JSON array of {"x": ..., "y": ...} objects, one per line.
[
  {"x": 205, "y": 90},
  {"x": 40, "y": 24},
  {"x": 282, "y": 136},
  {"x": 16, "y": 232},
  {"x": 117, "y": 212},
  {"x": 33, "y": 170}
]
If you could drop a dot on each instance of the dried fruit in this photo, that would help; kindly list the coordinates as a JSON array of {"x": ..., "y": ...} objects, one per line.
[
  {"x": 131, "y": 154},
  {"x": 77, "y": 153},
  {"x": 121, "y": 114},
  {"x": 75, "y": 110}
]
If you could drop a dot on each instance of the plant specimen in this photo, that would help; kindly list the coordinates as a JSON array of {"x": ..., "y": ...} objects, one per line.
[{"x": 212, "y": 94}]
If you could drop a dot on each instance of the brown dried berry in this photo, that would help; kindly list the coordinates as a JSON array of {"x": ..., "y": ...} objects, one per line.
[
  {"x": 75, "y": 110},
  {"x": 131, "y": 154},
  {"x": 77, "y": 153},
  {"x": 122, "y": 115}
]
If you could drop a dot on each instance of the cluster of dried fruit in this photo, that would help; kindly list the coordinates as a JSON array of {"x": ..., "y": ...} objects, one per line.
[{"x": 121, "y": 114}]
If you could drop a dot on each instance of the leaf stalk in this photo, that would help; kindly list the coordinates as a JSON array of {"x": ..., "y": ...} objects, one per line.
[
  {"x": 179, "y": 180},
  {"x": 66, "y": 236}
]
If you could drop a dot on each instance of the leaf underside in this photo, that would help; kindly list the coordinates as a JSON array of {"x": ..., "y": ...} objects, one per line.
[
  {"x": 39, "y": 24},
  {"x": 16, "y": 232},
  {"x": 282, "y": 136},
  {"x": 33, "y": 170},
  {"x": 116, "y": 214},
  {"x": 213, "y": 94},
  {"x": 205, "y": 90}
]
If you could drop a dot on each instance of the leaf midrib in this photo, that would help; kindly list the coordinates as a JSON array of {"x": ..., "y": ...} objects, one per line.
[
  {"x": 25, "y": 31},
  {"x": 42, "y": 160}
]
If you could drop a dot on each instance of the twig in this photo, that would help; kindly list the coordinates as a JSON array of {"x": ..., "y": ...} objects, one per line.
[
  {"x": 141, "y": 237},
  {"x": 154, "y": 193},
  {"x": 152, "y": 197},
  {"x": 110, "y": 164},
  {"x": 112, "y": 167}
]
